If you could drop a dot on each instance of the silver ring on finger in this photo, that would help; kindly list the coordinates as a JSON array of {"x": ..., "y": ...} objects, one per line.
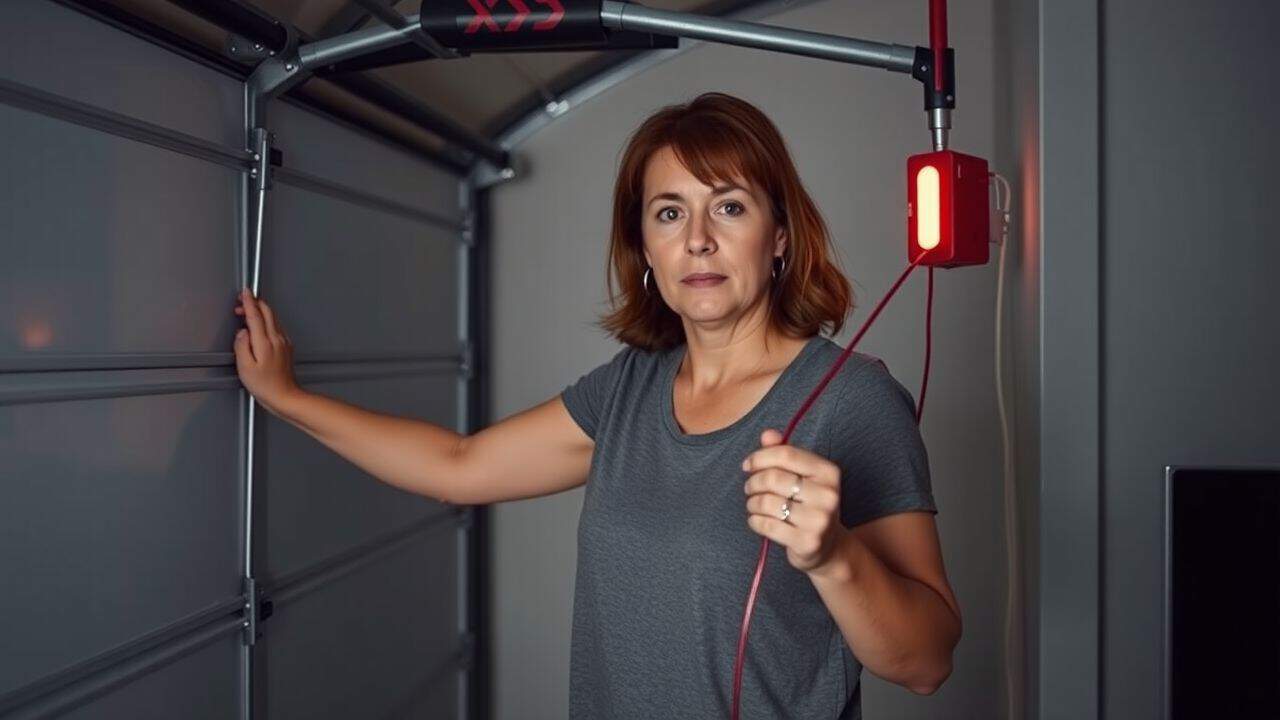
[
  {"x": 795, "y": 489},
  {"x": 786, "y": 510}
]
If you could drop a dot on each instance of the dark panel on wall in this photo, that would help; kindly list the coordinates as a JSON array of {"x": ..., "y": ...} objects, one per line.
[
  {"x": 356, "y": 281},
  {"x": 66, "y": 53},
  {"x": 121, "y": 416},
  {"x": 317, "y": 147},
  {"x": 355, "y": 650},
  {"x": 111, "y": 245},
  {"x": 203, "y": 685},
  {"x": 120, "y": 515},
  {"x": 317, "y": 503}
]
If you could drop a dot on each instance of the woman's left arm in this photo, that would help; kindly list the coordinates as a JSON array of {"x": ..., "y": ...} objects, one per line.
[
  {"x": 882, "y": 581},
  {"x": 885, "y": 587}
]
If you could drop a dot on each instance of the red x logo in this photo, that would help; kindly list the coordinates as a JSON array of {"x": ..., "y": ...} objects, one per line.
[
  {"x": 485, "y": 18},
  {"x": 482, "y": 16}
]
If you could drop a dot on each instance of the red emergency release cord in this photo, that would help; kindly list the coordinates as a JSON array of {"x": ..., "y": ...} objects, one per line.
[
  {"x": 938, "y": 40},
  {"x": 835, "y": 367},
  {"x": 928, "y": 350}
]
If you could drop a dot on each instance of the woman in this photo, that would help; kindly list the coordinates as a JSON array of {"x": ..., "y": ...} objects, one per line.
[{"x": 727, "y": 278}]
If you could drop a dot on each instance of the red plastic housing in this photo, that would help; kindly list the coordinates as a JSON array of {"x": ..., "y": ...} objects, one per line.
[{"x": 948, "y": 209}]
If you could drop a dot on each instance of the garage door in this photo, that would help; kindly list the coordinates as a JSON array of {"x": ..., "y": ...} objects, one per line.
[{"x": 134, "y": 549}]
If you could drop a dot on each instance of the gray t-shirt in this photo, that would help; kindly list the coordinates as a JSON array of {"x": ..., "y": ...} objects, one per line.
[{"x": 666, "y": 558}]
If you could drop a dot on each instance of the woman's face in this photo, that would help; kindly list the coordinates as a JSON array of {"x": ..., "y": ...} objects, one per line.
[{"x": 689, "y": 228}]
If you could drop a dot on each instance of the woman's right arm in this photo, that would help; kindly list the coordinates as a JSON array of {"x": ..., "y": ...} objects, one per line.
[{"x": 536, "y": 452}]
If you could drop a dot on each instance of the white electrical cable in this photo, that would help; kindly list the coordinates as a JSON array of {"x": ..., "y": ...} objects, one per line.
[{"x": 1010, "y": 486}]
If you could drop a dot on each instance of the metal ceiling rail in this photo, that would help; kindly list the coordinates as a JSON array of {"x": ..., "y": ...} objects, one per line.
[
  {"x": 611, "y": 75},
  {"x": 451, "y": 158},
  {"x": 278, "y": 74},
  {"x": 241, "y": 18},
  {"x": 632, "y": 16},
  {"x": 392, "y": 18}
]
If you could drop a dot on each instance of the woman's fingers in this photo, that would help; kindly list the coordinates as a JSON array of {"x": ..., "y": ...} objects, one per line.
[
  {"x": 244, "y": 353},
  {"x": 269, "y": 321},
  {"x": 253, "y": 318}
]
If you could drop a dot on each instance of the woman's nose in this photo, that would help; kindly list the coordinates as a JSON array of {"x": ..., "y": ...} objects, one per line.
[{"x": 698, "y": 242}]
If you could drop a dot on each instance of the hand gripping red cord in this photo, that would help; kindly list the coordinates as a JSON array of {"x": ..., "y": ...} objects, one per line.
[{"x": 835, "y": 367}]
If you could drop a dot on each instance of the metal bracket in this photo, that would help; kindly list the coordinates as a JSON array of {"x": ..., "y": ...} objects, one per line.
[
  {"x": 243, "y": 49},
  {"x": 468, "y": 368},
  {"x": 275, "y": 74},
  {"x": 466, "y": 518},
  {"x": 485, "y": 174},
  {"x": 257, "y": 607},
  {"x": 467, "y": 650},
  {"x": 263, "y": 157},
  {"x": 937, "y": 104},
  {"x": 468, "y": 232}
]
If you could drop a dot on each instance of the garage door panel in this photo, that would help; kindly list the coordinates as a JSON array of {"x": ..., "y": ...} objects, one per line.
[
  {"x": 111, "y": 245},
  {"x": 202, "y": 685},
  {"x": 70, "y": 54},
  {"x": 121, "y": 515},
  {"x": 318, "y": 504},
  {"x": 314, "y": 145},
  {"x": 350, "y": 650},
  {"x": 354, "y": 281},
  {"x": 122, "y": 420}
]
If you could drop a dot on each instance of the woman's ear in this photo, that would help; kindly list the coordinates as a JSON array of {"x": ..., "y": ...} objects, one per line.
[{"x": 780, "y": 240}]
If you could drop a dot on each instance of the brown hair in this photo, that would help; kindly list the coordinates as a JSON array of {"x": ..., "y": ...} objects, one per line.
[{"x": 717, "y": 136}]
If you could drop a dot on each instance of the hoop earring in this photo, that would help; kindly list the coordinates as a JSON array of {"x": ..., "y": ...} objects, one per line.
[
  {"x": 645, "y": 280},
  {"x": 775, "y": 273}
]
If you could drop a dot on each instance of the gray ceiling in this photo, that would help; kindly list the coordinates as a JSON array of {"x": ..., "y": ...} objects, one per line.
[{"x": 484, "y": 92}]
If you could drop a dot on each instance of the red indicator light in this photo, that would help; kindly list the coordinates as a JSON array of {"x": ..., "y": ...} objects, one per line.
[{"x": 947, "y": 209}]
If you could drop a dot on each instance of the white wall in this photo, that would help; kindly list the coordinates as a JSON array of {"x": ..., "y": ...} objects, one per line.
[{"x": 850, "y": 130}]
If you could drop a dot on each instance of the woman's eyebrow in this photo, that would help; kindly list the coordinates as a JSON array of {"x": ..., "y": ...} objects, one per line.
[{"x": 718, "y": 190}]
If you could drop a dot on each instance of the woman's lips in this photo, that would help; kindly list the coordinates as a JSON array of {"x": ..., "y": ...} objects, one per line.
[{"x": 704, "y": 280}]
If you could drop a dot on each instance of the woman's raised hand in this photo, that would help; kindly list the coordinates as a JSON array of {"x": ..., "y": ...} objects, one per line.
[
  {"x": 812, "y": 532},
  {"x": 264, "y": 353}
]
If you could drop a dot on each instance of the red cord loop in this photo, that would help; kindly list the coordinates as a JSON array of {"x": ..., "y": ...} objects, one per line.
[{"x": 835, "y": 367}]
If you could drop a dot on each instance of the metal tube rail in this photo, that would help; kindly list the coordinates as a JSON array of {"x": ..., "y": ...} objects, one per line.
[
  {"x": 630, "y": 16},
  {"x": 392, "y": 17},
  {"x": 354, "y": 44}
]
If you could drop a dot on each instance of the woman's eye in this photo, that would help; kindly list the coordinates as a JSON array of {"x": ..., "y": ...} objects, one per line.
[{"x": 663, "y": 213}]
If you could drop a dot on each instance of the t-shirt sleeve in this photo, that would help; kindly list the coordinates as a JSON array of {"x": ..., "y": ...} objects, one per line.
[
  {"x": 587, "y": 398},
  {"x": 873, "y": 437}
]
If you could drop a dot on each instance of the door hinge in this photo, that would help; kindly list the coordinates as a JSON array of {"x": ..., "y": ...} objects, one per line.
[
  {"x": 467, "y": 651},
  {"x": 468, "y": 354},
  {"x": 257, "y": 607}
]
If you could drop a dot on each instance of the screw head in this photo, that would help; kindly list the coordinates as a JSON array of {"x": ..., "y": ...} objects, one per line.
[{"x": 288, "y": 67}]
